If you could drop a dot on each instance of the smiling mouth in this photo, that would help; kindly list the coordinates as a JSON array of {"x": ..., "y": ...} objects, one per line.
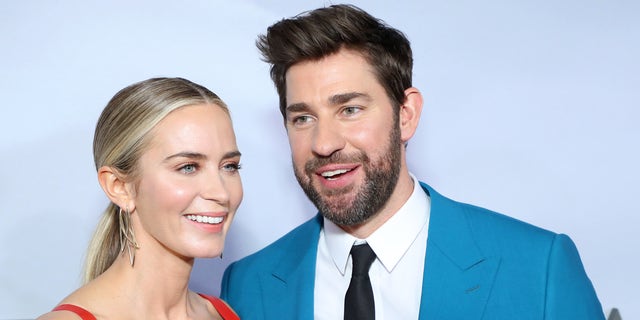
[
  {"x": 334, "y": 174},
  {"x": 205, "y": 219}
]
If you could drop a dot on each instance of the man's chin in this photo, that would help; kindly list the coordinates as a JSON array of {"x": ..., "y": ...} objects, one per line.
[
  {"x": 337, "y": 202},
  {"x": 346, "y": 194},
  {"x": 344, "y": 219}
]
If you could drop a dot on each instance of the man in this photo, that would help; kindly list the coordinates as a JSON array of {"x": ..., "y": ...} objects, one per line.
[{"x": 344, "y": 81}]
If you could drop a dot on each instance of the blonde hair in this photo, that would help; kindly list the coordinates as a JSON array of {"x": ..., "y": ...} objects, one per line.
[{"x": 121, "y": 136}]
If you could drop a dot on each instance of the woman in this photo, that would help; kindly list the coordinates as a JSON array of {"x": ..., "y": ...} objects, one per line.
[{"x": 167, "y": 159}]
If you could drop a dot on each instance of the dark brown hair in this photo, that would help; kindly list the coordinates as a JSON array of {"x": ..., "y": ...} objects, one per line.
[{"x": 315, "y": 34}]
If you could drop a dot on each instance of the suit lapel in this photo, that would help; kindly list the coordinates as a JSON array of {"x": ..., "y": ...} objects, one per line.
[
  {"x": 290, "y": 283},
  {"x": 457, "y": 276}
]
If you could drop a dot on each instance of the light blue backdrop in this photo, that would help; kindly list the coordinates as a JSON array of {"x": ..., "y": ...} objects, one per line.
[{"x": 532, "y": 109}]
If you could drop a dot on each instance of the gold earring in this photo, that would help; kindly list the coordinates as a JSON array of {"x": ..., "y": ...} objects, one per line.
[{"x": 127, "y": 237}]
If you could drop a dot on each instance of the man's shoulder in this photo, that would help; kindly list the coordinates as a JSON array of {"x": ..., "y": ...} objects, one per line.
[
  {"x": 487, "y": 219},
  {"x": 485, "y": 222}
]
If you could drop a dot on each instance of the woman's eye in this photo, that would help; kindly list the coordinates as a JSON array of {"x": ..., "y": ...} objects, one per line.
[
  {"x": 232, "y": 167},
  {"x": 189, "y": 168}
]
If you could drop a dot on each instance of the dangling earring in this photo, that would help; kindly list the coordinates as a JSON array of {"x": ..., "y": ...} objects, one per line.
[
  {"x": 221, "y": 255},
  {"x": 127, "y": 238}
]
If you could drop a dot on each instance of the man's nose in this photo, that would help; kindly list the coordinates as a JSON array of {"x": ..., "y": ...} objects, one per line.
[{"x": 327, "y": 138}]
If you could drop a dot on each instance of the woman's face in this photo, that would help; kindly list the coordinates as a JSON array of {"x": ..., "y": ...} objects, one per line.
[{"x": 189, "y": 186}]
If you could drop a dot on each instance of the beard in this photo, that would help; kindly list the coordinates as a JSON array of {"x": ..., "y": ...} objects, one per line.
[{"x": 381, "y": 177}]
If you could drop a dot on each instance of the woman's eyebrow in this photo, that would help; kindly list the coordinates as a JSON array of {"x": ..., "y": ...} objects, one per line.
[
  {"x": 186, "y": 154},
  {"x": 232, "y": 154}
]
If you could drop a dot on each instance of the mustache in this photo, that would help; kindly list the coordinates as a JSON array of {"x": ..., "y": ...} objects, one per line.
[{"x": 335, "y": 158}]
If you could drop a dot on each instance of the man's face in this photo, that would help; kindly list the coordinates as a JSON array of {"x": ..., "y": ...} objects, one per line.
[{"x": 344, "y": 136}]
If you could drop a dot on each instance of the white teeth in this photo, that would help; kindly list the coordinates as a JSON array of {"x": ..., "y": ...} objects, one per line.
[
  {"x": 329, "y": 174},
  {"x": 205, "y": 219}
]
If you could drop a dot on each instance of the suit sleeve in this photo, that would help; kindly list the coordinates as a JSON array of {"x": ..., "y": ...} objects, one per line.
[{"x": 570, "y": 293}]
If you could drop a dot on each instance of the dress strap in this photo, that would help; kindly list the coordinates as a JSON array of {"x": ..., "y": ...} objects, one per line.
[
  {"x": 84, "y": 314},
  {"x": 223, "y": 309}
]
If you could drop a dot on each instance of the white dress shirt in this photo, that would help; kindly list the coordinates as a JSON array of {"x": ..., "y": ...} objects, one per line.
[{"x": 396, "y": 274}]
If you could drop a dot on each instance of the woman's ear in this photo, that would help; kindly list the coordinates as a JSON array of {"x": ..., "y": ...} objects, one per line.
[
  {"x": 410, "y": 112},
  {"x": 116, "y": 188}
]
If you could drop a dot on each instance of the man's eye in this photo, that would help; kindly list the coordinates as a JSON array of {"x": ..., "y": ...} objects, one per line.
[
  {"x": 351, "y": 110},
  {"x": 300, "y": 120}
]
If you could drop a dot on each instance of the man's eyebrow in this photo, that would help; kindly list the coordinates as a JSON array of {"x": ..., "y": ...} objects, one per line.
[
  {"x": 296, "y": 107},
  {"x": 333, "y": 100},
  {"x": 346, "y": 97}
]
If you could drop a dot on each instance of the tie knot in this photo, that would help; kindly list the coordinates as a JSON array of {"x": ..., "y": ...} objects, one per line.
[{"x": 363, "y": 257}]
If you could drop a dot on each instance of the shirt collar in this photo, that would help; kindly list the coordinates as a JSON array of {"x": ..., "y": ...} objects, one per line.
[{"x": 391, "y": 240}]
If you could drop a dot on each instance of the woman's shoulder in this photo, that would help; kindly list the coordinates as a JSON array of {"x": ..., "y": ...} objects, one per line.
[
  {"x": 223, "y": 309},
  {"x": 75, "y": 306},
  {"x": 68, "y": 312},
  {"x": 55, "y": 315},
  {"x": 59, "y": 316}
]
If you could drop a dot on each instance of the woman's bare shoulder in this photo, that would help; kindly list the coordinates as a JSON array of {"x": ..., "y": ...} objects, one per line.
[
  {"x": 59, "y": 315},
  {"x": 79, "y": 299}
]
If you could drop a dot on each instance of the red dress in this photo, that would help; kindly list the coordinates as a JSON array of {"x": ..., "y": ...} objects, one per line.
[{"x": 225, "y": 312}]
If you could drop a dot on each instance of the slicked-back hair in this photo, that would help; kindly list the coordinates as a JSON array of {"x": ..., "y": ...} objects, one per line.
[
  {"x": 315, "y": 34},
  {"x": 122, "y": 135}
]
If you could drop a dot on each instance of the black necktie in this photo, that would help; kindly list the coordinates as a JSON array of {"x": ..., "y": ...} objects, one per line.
[{"x": 358, "y": 302}]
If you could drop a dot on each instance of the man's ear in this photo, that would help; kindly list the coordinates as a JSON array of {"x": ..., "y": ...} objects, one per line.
[
  {"x": 410, "y": 112},
  {"x": 116, "y": 188}
]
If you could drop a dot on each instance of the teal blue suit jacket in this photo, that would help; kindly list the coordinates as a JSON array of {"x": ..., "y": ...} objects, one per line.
[{"x": 479, "y": 265}]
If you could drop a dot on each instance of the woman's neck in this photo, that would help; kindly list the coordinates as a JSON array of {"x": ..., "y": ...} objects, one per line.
[{"x": 156, "y": 286}]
